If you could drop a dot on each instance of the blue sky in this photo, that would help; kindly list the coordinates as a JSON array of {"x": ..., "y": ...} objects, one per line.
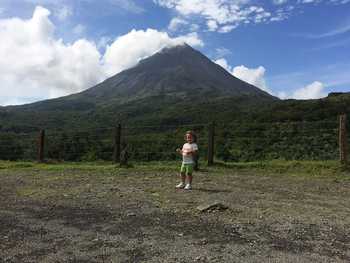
[{"x": 292, "y": 49}]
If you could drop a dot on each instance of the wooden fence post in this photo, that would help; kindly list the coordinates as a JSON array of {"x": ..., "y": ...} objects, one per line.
[
  {"x": 343, "y": 140},
  {"x": 211, "y": 131},
  {"x": 117, "y": 142},
  {"x": 41, "y": 142}
]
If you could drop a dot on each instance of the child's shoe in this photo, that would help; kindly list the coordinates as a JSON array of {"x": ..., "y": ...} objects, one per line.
[
  {"x": 188, "y": 187},
  {"x": 180, "y": 186}
]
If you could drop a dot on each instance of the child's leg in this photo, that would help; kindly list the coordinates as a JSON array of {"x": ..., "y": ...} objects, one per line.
[
  {"x": 189, "y": 178},
  {"x": 183, "y": 177},
  {"x": 183, "y": 173},
  {"x": 189, "y": 172}
]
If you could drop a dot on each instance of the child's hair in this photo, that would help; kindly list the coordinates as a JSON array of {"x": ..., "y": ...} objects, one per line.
[{"x": 194, "y": 136}]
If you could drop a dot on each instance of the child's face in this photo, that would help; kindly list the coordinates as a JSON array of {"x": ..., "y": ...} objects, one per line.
[{"x": 189, "y": 138}]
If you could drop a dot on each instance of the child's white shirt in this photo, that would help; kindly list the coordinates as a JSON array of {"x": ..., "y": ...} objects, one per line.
[{"x": 186, "y": 148}]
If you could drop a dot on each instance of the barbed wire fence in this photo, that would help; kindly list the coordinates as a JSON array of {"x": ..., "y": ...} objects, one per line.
[{"x": 235, "y": 141}]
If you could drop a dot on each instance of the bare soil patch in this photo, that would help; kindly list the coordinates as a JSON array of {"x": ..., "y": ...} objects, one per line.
[{"x": 130, "y": 215}]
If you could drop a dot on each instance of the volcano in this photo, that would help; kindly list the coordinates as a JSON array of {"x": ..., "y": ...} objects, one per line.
[
  {"x": 177, "y": 76},
  {"x": 179, "y": 71}
]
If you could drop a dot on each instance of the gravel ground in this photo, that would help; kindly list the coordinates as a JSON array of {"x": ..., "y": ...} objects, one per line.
[{"x": 130, "y": 215}]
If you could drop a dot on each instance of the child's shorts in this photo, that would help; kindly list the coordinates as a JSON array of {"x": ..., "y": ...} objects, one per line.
[{"x": 187, "y": 168}]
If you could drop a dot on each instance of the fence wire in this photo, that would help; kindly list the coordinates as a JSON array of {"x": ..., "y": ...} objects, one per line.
[{"x": 233, "y": 142}]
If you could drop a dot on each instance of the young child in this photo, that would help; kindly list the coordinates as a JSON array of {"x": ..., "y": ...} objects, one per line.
[{"x": 189, "y": 153}]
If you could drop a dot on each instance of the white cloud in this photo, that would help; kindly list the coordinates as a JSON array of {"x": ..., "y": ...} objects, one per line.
[
  {"x": 176, "y": 23},
  {"x": 126, "y": 50},
  {"x": 314, "y": 90},
  {"x": 223, "y": 63},
  {"x": 128, "y": 5},
  {"x": 279, "y": 2},
  {"x": 222, "y": 52},
  {"x": 212, "y": 25},
  {"x": 225, "y": 15},
  {"x": 282, "y": 13},
  {"x": 282, "y": 95},
  {"x": 227, "y": 28},
  {"x": 335, "y": 77},
  {"x": 34, "y": 64},
  {"x": 79, "y": 29},
  {"x": 254, "y": 76},
  {"x": 103, "y": 42},
  {"x": 220, "y": 15},
  {"x": 63, "y": 12},
  {"x": 262, "y": 17}
]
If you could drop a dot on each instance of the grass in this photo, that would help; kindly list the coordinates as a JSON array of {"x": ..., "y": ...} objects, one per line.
[
  {"x": 275, "y": 167},
  {"x": 292, "y": 168}
]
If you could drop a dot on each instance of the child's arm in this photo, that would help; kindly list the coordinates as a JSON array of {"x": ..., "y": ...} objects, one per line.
[{"x": 194, "y": 153}]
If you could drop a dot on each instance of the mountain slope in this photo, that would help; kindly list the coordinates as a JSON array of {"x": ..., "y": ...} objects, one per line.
[
  {"x": 179, "y": 77},
  {"x": 178, "y": 71}
]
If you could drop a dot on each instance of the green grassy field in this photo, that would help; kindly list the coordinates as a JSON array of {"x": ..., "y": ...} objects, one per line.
[{"x": 305, "y": 169}]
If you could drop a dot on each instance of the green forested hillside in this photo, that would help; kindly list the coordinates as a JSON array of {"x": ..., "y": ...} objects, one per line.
[{"x": 247, "y": 128}]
